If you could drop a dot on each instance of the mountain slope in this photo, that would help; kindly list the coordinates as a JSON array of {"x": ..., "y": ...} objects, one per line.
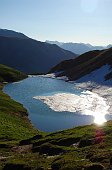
[
  {"x": 31, "y": 56},
  {"x": 8, "y": 74},
  {"x": 10, "y": 33},
  {"x": 85, "y": 64},
  {"x": 78, "y": 48}
]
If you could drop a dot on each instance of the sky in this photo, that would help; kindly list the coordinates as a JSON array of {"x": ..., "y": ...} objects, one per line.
[{"x": 86, "y": 21}]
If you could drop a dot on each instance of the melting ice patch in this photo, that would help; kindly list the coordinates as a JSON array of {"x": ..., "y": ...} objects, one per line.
[{"x": 87, "y": 103}]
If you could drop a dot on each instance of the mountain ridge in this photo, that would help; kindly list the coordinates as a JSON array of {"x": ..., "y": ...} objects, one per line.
[
  {"x": 11, "y": 33},
  {"x": 78, "y": 48},
  {"x": 85, "y": 64},
  {"x": 31, "y": 56}
]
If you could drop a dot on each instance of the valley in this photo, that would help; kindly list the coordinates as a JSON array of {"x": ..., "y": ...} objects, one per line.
[
  {"x": 49, "y": 134},
  {"x": 56, "y": 85}
]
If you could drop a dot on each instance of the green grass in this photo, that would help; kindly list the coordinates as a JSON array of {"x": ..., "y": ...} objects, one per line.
[
  {"x": 14, "y": 124},
  {"x": 8, "y": 74},
  {"x": 54, "y": 150}
]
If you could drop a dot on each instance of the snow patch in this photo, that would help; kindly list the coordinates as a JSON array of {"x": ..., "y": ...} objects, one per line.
[{"x": 97, "y": 76}]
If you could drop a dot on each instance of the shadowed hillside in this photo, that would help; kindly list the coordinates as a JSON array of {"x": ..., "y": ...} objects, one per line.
[
  {"x": 31, "y": 56},
  {"x": 85, "y": 64},
  {"x": 8, "y": 74}
]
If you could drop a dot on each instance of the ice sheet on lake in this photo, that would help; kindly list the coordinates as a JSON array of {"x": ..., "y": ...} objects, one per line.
[{"x": 88, "y": 103}]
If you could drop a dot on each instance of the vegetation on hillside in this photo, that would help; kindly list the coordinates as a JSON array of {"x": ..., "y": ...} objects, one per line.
[
  {"x": 81, "y": 148},
  {"x": 14, "y": 123},
  {"x": 8, "y": 74}
]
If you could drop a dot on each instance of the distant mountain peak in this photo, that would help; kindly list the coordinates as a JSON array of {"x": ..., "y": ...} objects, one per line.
[
  {"x": 11, "y": 33},
  {"x": 54, "y": 42}
]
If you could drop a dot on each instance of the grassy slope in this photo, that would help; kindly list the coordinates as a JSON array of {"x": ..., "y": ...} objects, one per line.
[
  {"x": 8, "y": 74},
  {"x": 22, "y": 147},
  {"x": 14, "y": 124},
  {"x": 73, "y": 149}
]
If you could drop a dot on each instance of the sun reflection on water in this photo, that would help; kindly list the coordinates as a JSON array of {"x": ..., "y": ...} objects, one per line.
[{"x": 99, "y": 119}]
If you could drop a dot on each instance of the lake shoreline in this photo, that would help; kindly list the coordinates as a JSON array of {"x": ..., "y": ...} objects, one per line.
[
  {"x": 43, "y": 118},
  {"x": 93, "y": 92}
]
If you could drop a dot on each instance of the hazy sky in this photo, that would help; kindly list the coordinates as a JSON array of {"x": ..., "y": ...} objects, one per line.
[{"x": 88, "y": 21}]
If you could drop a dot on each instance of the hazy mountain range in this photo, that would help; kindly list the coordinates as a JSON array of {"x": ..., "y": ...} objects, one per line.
[
  {"x": 78, "y": 48},
  {"x": 28, "y": 55}
]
